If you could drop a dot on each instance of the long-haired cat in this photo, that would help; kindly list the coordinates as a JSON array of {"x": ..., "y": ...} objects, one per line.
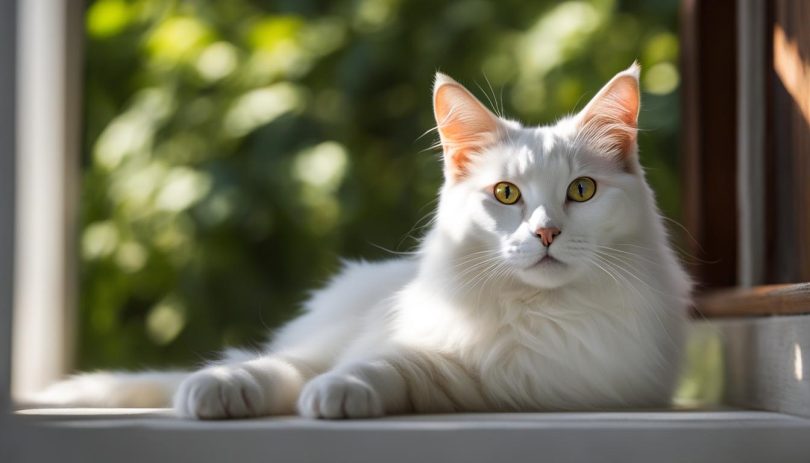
[{"x": 545, "y": 283}]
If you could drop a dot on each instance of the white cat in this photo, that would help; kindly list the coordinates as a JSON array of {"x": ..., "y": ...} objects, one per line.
[{"x": 545, "y": 283}]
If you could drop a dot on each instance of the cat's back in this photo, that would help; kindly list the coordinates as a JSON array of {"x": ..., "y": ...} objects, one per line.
[{"x": 348, "y": 306}]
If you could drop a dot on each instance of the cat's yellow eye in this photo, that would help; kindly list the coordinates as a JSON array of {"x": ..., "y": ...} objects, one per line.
[
  {"x": 581, "y": 189},
  {"x": 506, "y": 192}
]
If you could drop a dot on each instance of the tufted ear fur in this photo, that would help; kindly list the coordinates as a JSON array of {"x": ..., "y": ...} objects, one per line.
[
  {"x": 609, "y": 123},
  {"x": 465, "y": 125}
]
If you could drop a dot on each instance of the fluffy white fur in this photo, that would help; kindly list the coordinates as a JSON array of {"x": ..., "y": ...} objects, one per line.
[{"x": 477, "y": 320}]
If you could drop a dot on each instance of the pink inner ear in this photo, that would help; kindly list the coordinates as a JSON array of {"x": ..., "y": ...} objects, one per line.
[
  {"x": 609, "y": 122},
  {"x": 625, "y": 92},
  {"x": 465, "y": 126}
]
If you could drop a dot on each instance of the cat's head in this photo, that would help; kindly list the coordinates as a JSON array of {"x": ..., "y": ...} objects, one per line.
[{"x": 543, "y": 202}]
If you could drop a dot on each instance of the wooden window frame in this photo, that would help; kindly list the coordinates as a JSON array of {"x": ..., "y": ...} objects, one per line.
[
  {"x": 708, "y": 124},
  {"x": 744, "y": 133}
]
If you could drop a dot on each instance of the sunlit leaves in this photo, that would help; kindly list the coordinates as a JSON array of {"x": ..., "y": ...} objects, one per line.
[
  {"x": 661, "y": 78},
  {"x": 662, "y": 46},
  {"x": 260, "y": 106},
  {"x": 178, "y": 38},
  {"x": 166, "y": 320},
  {"x": 557, "y": 35},
  {"x": 217, "y": 61},
  {"x": 107, "y": 18},
  {"x": 273, "y": 32}
]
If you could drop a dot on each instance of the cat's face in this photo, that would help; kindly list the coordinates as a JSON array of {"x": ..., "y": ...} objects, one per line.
[{"x": 544, "y": 202}]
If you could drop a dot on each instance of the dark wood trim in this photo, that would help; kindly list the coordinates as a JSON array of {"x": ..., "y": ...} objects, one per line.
[
  {"x": 709, "y": 151},
  {"x": 789, "y": 299}
]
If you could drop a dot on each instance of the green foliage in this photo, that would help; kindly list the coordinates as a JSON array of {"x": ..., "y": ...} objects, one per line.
[{"x": 235, "y": 149}]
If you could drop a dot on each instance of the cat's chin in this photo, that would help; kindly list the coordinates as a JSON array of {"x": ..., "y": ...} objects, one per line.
[{"x": 547, "y": 273}]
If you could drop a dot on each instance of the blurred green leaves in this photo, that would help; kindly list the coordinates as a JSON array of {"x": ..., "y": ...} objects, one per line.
[
  {"x": 235, "y": 150},
  {"x": 107, "y": 18}
]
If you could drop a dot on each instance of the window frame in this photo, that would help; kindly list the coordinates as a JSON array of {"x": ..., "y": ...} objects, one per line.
[
  {"x": 744, "y": 135},
  {"x": 709, "y": 141},
  {"x": 48, "y": 118}
]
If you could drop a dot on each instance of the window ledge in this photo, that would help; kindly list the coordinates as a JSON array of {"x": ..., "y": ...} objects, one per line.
[
  {"x": 145, "y": 435},
  {"x": 786, "y": 299}
]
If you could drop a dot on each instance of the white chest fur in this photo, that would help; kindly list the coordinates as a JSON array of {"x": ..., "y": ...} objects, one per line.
[
  {"x": 549, "y": 354},
  {"x": 553, "y": 352}
]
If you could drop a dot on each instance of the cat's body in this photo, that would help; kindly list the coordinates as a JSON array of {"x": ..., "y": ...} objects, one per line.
[{"x": 543, "y": 302}]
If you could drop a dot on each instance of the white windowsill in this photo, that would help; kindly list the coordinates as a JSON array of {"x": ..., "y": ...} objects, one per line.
[{"x": 125, "y": 435}]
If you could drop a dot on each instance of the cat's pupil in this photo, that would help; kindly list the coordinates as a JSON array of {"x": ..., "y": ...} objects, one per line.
[
  {"x": 581, "y": 189},
  {"x": 507, "y": 191}
]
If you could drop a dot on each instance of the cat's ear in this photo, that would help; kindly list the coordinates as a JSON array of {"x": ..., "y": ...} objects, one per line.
[
  {"x": 609, "y": 123},
  {"x": 465, "y": 125}
]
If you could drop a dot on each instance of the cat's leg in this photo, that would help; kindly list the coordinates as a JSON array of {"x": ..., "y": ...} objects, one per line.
[
  {"x": 269, "y": 383},
  {"x": 405, "y": 381}
]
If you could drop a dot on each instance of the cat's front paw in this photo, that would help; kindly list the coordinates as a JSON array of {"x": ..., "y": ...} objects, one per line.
[
  {"x": 335, "y": 396},
  {"x": 220, "y": 392}
]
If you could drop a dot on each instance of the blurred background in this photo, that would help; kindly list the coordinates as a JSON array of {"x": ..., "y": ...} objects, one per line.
[{"x": 234, "y": 151}]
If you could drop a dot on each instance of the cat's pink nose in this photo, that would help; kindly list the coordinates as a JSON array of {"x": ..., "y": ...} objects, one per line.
[{"x": 547, "y": 234}]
